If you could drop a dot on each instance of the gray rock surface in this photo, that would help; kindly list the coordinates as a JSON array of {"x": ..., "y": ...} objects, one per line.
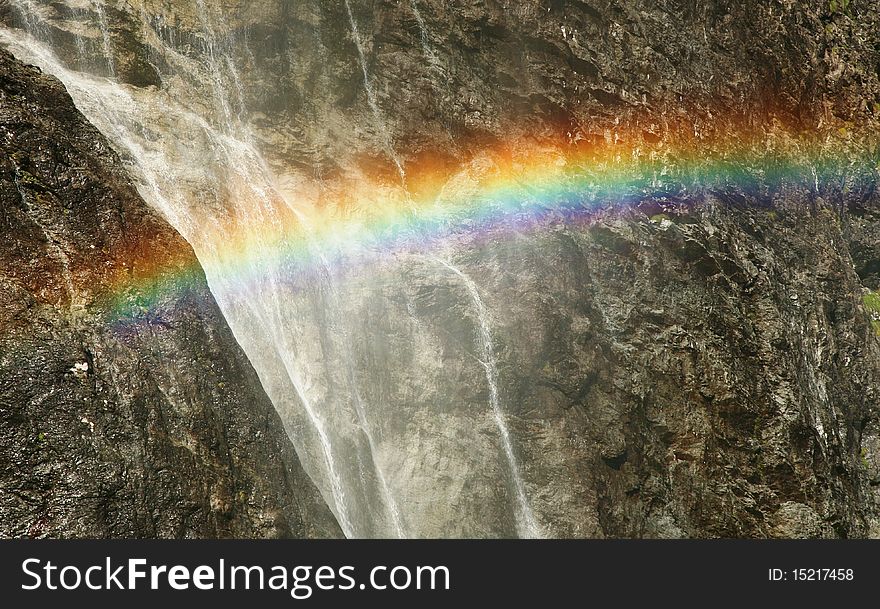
[{"x": 699, "y": 362}]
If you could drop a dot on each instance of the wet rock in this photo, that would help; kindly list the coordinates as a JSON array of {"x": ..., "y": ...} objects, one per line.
[
  {"x": 699, "y": 363},
  {"x": 126, "y": 407}
]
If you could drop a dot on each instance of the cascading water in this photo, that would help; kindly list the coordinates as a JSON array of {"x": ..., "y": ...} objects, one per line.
[
  {"x": 360, "y": 408},
  {"x": 116, "y": 112},
  {"x": 372, "y": 100},
  {"x": 105, "y": 36},
  {"x": 350, "y": 374},
  {"x": 384, "y": 470},
  {"x": 221, "y": 91},
  {"x": 30, "y": 14},
  {"x": 80, "y": 48},
  {"x": 527, "y": 525}
]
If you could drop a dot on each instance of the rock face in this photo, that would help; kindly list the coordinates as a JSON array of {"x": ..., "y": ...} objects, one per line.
[
  {"x": 449, "y": 76},
  {"x": 697, "y": 362},
  {"x": 126, "y": 406}
]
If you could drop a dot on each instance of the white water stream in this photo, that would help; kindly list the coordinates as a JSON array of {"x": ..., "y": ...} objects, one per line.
[
  {"x": 527, "y": 525},
  {"x": 199, "y": 165}
]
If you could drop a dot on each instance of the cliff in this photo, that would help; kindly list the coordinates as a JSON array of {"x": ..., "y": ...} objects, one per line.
[
  {"x": 645, "y": 311},
  {"x": 119, "y": 420}
]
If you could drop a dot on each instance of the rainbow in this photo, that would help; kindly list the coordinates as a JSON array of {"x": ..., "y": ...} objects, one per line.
[{"x": 517, "y": 186}]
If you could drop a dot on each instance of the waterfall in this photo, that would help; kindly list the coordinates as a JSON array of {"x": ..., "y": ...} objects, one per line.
[
  {"x": 192, "y": 155},
  {"x": 220, "y": 93},
  {"x": 119, "y": 115},
  {"x": 105, "y": 36},
  {"x": 527, "y": 525},
  {"x": 80, "y": 44},
  {"x": 372, "y": 100},
  {"x": 360, "y": 409},
  {"x": 339, "y": 503},
  {"x": 31, "y": 20}
]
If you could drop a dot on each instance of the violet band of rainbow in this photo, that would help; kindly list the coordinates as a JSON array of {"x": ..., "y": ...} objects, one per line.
[{"x": 518, "y": 187}]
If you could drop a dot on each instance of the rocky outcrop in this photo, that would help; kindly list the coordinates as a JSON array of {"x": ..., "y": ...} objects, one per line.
[
  {"x": 126, "y": 407},
  {"x": 693, "y": 358}
]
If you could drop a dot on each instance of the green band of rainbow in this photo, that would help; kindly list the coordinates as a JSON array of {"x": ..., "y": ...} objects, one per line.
[{"x": 519, "y": 186}]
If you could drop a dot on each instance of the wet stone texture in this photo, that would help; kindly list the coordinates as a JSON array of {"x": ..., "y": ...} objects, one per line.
[
  {"x": 699, "y": 363},
  {"x": 122, "y": 414}
]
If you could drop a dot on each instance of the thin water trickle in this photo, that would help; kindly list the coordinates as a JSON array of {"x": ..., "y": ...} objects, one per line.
[
  {"x": 527, "y": 525},
  {"x": 197, "y": 162},
  {"x": 113, "y": 110},
  {"x": 372, "y": 100},
  {"x": 105, "y": 36}
]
